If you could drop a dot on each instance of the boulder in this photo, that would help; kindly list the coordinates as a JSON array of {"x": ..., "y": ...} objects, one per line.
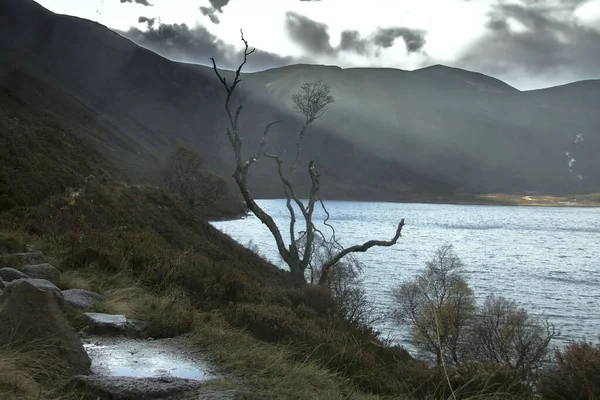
[
  {"x": 108, "y": 324},
  {"x": 31, "y": 312},
  {"x": 11, "y": 274},
  {"x": 42, "y": 271},
  {"x": 2, "y": 283},
  {"x": 31, "y": 257},
  {"x": 41, "y": 285},
  {"x": 79, "y": 298}
]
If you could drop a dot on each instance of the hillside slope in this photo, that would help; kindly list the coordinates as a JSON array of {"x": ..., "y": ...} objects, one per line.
[{"x": 40, "y": 157}]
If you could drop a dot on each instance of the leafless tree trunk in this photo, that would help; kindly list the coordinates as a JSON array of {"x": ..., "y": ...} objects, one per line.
[{"x": 311, "y": 102}]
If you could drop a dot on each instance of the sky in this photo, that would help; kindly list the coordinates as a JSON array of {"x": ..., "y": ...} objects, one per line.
[{"x": 527, "y": 43}]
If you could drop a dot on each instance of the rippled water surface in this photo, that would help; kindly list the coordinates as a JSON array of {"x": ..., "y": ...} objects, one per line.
[{"x": 547, "y": 259}]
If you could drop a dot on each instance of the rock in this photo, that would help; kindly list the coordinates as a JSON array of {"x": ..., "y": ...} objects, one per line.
[
  {"x": 42, "y": 271},
  {"x": 31, "y": 257},
  {"x": 107, "y": 324},
  {"x": 79, "y": 298},
  {"x": 11, "y": 274},
  {"x": 125, "y": 388},
  {"x": 2, "y": 283},
  {"x": 31, "y": 312},
  {"x": 40, "y": 284}
]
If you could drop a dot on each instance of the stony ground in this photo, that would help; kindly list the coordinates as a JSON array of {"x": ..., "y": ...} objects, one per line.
[{"x": 125, "y": 363}]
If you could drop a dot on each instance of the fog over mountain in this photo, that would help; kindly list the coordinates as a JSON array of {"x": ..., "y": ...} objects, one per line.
[{"x": 390, "y": 135}]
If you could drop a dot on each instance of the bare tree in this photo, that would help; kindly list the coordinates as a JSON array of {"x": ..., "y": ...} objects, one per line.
[
  {"x": 344, "y": 281},
  {"x": 439, "y": 305},
  {"x": 185, "y": 175},
  {"x": 311, "y": 102},
  {"x": 505, "y": 334}
]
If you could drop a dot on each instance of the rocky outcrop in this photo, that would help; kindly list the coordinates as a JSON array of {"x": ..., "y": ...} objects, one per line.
[
  {"x": 107, "y": 324},
  {"x": 11, "y": 274},
  {"x": 31, "y": 313},
  {"x": 42, "y": 271},
  {"x": 79, "y": 298}
]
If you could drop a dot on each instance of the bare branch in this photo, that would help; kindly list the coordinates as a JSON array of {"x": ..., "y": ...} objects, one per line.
[{"x": 361, "y": 248}]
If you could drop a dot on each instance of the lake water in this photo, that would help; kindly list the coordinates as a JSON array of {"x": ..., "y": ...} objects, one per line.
[{"x": 547, "y": 259}]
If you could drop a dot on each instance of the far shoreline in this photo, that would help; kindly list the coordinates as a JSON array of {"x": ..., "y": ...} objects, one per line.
[{"x": 488, "y": 199}]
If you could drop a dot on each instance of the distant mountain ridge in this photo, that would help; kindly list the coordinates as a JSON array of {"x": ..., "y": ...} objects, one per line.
[{"x": 390, "y": 135}]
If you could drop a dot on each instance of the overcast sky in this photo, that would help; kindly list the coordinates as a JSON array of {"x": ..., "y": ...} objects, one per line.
[{"x": 527, "y": 43}]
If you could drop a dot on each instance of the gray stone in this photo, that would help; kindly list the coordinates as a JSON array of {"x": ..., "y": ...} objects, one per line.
[
  {"x": 79, "y": 298},
  {"x": 31, "y": 257},
  {"x": 2, "y": 283},
  {"x": 107, "y": 324},
  {"x": 31, "y": 311},
  {"x": 11, "y": 274},
  {"x": 40, "y": 284},
  {"x": 125, "y": 388},
  {"x": 42, "y": 271}
]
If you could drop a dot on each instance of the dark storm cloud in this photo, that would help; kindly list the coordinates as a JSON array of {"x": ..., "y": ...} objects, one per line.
[
  {"x": 142, "y": 2},
  {"x": 414, "y": 39},
  {"x": 218, "y": 4},
  {"x": 149, "y": 21},
  {"x": 179, "y": 42},
  {"x": 550, "y": 45},
  {"x": 311, "y": 35},
  {"x": 210, "y": 13},
  {"x": 352, "y": 41},
  {"x": 314, "y": 37}
]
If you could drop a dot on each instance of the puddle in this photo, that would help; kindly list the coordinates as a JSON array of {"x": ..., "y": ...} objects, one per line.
[{"x": 145, "y": 359}]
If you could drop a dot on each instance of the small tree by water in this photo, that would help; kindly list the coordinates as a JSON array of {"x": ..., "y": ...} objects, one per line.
[
  {"x": 439, "y": 306},
  {"x": 445, "y": 322}
]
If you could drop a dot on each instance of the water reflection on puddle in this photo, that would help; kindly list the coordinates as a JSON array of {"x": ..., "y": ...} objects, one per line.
[{"x": 142, "y": 359}]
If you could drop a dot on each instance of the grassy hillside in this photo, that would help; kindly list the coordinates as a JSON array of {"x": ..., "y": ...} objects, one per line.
[
  {"x": 139, "y": 234},
  {"x": 40, "y": 157}
]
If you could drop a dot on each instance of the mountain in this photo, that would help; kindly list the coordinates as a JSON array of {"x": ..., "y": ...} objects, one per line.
[
  {"x": 391, "y": 135},
  {"x": 137, "y": 106},
  {"x": 468, "y": 129}
]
